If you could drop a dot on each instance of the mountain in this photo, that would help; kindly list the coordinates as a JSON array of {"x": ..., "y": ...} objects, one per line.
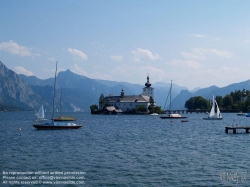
[
  {"x": 179, "y": 101},
  {"x": 79, "y": 92},
  {"x": 15, "y": 92},
  {"x": 208, "y": 92},
  {"x": 195, "y": 89}
]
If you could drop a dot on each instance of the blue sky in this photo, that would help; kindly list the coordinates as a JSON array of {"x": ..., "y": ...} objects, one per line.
[{"x": 194, "y": 43}]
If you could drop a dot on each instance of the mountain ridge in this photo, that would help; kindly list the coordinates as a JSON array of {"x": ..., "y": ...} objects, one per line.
[
  {"x": 14, "y": 91},
  {"x": 80, "y": 92}
]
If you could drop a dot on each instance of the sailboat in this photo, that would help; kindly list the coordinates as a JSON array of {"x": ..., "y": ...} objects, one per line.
[
  {"x": 41, "y": 114},
  {"x": 171, "y": 115},
  {"x": 63, "y": 118},
  {"x": 57, "y": 124},
  {"x": 212, "y": 115}
]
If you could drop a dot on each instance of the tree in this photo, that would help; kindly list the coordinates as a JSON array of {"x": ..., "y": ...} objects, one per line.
[
  {"x": 189, "y": 103},
  {"x": 219, "y": 100},
  {"x": 236, "y": 95},
  {"x": 228, "y": 101},
  {"x": 157, "y": 110},
  {"x": 93, "y": 108},
  {"x": 101, "y": 99},
  {"x": 152, "y": 105},
  {"x": 141, "y": 108},
  {"x": 151, "y": 101},
  {"x": 197, "y": 102},
  {"x": 247, "y": 104}
]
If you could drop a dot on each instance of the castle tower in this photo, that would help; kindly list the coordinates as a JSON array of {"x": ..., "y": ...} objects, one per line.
[{"x": 148, "y": 90}]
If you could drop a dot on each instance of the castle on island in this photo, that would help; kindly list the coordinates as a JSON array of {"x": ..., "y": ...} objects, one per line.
[{"x": 127, "y": 103}]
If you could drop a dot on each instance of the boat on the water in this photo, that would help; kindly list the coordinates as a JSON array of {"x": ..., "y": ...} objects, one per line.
[
  {"x": 154, "y": 114},
  {"x": 65, "y": 118},
  {"x": 61, "y": 122},
  {"x": 171, "y": 115},
  {"x": 41, "y": 115},
  {"x": 241, "y": 114},
  {"x": 212, "y": 115},
  {"x": 56, "y": 125}
]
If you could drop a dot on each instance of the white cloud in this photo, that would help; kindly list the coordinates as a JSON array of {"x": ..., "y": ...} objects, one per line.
[
  {"x": 51, "y": 59},
  {"x": 78, "y": 70},
  {"x": 144, "y": 54},
  {"x": 151, "y": 70},
  {"x": 185, "y": 64},
  {"x": 79, "y": 55},
  {"x": 193, "y": 56},
  {"x": 116, "y": 58},
  {"x": 126, "y": 72},
  {"x": 201, "y": 54},
  {"x": 223, "y": 54},
  {"x": 22, "y": 70},
  {"x": 16, "y": 49},
  {"x": 198, "y": 35}
]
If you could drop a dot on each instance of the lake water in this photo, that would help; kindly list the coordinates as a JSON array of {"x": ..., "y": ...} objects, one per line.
[{"x": 126, "y": 150}]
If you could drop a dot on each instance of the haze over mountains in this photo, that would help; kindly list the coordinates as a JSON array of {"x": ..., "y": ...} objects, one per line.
[{"x": 78, "y": 92}]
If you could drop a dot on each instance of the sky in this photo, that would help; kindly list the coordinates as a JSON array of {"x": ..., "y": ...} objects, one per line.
[{"x": 194, "y": 43}]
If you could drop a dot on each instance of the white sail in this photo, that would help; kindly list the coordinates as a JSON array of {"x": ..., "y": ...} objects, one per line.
[
  {"x": 40, "y": 114},
  {"x": 218, "y": 111},
  {"x": 212, "y": 112},
  {"x": 212, "y": 115}
]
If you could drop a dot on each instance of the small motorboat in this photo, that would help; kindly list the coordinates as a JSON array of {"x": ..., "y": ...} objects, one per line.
[{"x": 241, "y": 114}]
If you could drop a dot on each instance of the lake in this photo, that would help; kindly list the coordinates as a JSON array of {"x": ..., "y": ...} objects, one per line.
[{"x": 124, "y": 150}]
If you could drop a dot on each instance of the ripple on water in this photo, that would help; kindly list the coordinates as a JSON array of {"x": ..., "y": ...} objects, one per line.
[{"x": 128, "y": 150}]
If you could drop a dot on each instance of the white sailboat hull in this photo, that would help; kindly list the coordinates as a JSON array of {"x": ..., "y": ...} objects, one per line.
[
  {"x": 154, "y": 114},
  {"x": 212, "y": 118}
]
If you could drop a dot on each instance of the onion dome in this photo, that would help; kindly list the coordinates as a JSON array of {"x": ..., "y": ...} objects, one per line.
[{"x": 147, "y": 84}]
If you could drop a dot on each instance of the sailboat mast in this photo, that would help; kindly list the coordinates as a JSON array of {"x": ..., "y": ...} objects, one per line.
[
  {"x": 61, "y": 103},
  {"x": 170, "y": 96},
  {"x": 54, "y": 93}
]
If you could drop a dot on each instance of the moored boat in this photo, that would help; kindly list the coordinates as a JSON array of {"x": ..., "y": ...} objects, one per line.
[
  {"x": 241, "y": 114},
  {"x": 154, "y": 114},
  {"x": 212, "y": 115},
  {"x": 62, "y": 122},
  {"x": 171, "y": 115},
  {"x": 41, "y": 115}
]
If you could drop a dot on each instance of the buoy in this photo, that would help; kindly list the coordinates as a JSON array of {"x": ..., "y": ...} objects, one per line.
[{"x": 19, "y": 129}]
